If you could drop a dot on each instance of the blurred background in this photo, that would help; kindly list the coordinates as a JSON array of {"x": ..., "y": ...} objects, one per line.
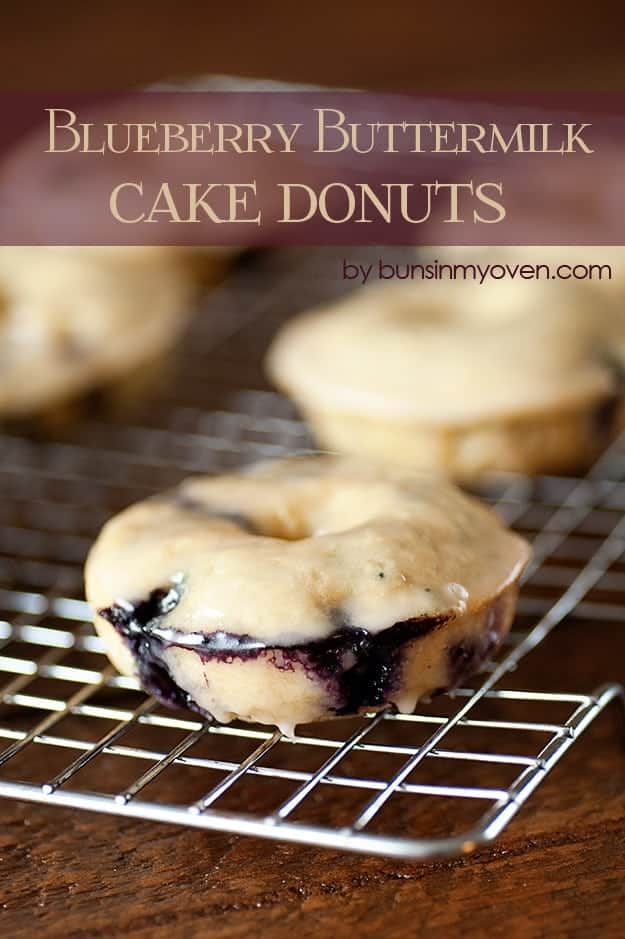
[{"x": 397, "y": 46}]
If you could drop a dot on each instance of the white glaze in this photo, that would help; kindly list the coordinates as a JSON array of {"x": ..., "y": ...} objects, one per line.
[
  {"x": 327, "y": 528},
  {"x": 452, "y": 353}
]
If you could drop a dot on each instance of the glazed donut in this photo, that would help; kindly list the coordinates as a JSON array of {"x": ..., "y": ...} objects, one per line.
[
  {"x": 304, "y": 589},
  {"x": 460, "y": 377},
  {"x": 76, "y": 319}
]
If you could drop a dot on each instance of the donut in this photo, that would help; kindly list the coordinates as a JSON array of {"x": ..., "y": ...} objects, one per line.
[
  {"x": 72, "y": 320},
  {"x": 459, "y": 377},
  {"x": 304, "y": 589}
]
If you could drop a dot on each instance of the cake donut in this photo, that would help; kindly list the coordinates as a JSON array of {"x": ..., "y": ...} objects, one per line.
[
  {"x": 460, "y": 377},
  {"x": 304, "y": 589},
  {"x": 76, "y": 319}
]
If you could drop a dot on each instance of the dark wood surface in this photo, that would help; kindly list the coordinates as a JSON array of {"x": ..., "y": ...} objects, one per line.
[
  {"x": 558, "y": 870},
  {"x": 454, "y": 45}
]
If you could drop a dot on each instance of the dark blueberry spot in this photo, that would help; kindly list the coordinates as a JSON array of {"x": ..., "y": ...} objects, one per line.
[
  {"x": 381, "y": 574},
  {"x": 466, "y": 658},
  {"x": 604, "y": 416}
]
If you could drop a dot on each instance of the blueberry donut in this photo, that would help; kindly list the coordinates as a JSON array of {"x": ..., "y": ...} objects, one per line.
[
  {"x": 460, "y": 377},
  {"x": 72, "y": 320},
  {"x": 304, "y": 589}
]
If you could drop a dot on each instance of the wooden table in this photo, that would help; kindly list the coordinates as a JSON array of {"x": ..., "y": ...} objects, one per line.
[{"x": 557, "y": 870}]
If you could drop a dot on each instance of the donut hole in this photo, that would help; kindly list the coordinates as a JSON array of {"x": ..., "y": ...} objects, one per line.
[
  {"x": 468, "y": 304},
  {"x": 294, "y": 524},
  {"x": 285, "y": 530},
  {"x": 285, "y": 525},
  {"x": 327, "y": 512}
]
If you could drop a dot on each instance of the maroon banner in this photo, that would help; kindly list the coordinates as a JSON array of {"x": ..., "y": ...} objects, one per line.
[{"x": 313, "y": 167}]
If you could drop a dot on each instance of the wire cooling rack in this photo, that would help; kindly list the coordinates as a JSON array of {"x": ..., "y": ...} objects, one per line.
[{"x": 441, "y": 781}]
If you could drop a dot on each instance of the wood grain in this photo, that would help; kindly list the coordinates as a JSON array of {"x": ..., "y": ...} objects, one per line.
[{"x": 558, "y": 870}]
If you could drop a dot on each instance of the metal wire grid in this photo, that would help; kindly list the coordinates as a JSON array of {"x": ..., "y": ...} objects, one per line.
[{"x": 56, "y": 495}]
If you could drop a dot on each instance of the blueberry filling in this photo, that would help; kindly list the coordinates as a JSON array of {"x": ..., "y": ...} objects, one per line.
[
  {"x": 464, "y": 659},
  {"x": 364, "y": 669},
  {"x": 132, "y": 622},
  {"x": 467, "y": 657},
  {"x": 361, "y": 669}
]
